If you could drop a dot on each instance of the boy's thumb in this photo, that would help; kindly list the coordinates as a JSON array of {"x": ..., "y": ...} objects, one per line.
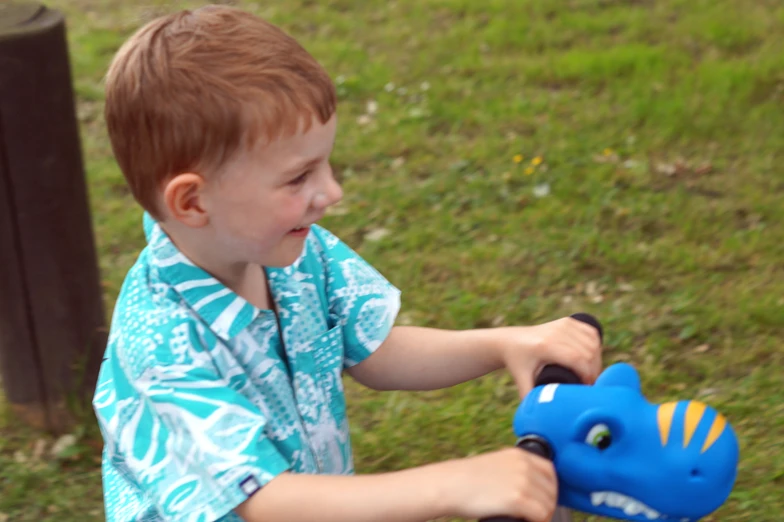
[{"x": 525, "y": 383}]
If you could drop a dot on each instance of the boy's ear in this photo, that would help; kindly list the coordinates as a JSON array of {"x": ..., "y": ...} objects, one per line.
[{"x": 182, "y": 197}]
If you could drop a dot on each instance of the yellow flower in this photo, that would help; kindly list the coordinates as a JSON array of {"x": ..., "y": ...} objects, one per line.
[
  {"x": 607, "y": 152},
  {"x": 518, "y": 158},
  {"x": 529, "y": 171},
  {"x": 537, "y": 161}
]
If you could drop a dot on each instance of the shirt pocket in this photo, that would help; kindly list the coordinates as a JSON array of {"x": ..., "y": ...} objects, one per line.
[{"x": 327, "y": 352}]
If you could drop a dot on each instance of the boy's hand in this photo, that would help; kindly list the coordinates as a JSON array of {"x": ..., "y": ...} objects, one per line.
[
  {"x": 509, "y": 482},
  {"x": 525, "y": 350}
]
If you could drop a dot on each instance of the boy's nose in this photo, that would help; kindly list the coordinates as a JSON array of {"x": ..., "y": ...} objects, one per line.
[{"x": 330, "y": 194}]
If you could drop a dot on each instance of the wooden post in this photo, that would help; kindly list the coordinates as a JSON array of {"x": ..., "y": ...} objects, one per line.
[{"x": 52, "y": 324}]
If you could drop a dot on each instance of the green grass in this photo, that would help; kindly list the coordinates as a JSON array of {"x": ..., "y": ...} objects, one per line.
[{"x": 659, "y": 125}]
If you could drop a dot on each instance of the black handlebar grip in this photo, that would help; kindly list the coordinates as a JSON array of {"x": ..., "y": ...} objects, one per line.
[
  {"x": 550, "y": 374},
  {"x": 556, "y": 374}
]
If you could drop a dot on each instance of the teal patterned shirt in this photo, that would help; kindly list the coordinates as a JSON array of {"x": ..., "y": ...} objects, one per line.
[{"x": 198, "y": 401}]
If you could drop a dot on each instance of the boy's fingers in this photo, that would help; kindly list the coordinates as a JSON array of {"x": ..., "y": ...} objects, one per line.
[
  {"x": 546, "y": 484},
  {"x": 584, "y": 362},
  {"x": 589, "y": 338},
  {"x": 584, "y": 370},
  {"x": 587, "y": 335},
  {"x": 541, "y": 507},
  {"x": 589, "y": 345},
  {"x": 588, "y": 361},
  {"x": 525, "y": 383},
  {"x": 546, "y": 473},
  {"x": 585, "y": 326}
]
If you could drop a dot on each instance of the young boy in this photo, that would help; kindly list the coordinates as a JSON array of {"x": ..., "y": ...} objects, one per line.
[{"x": 220, "y": 397}]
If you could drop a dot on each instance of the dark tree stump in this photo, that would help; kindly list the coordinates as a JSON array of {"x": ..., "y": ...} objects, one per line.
[{"x": 52, "y": 324}]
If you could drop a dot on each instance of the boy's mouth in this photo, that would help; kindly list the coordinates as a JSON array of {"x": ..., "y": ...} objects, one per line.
[{"x": 299, "y": 231}]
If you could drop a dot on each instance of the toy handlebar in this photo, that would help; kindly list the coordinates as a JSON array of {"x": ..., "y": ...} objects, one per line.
[
  {"x": 550, "y": 374},
  {"x": 677, "y": 460}
]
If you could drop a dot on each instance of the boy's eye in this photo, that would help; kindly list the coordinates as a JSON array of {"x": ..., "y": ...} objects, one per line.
[{"x": 300, "y": 179}]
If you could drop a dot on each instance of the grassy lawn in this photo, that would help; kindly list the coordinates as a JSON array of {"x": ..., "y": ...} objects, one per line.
[{"x": 521, "y": 160}]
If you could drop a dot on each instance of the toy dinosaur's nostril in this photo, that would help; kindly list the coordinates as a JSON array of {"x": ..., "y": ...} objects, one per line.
[{"x": 696, "y": 473}]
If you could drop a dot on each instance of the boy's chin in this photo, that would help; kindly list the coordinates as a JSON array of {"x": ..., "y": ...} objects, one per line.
[{"x": 282, "y": 259}]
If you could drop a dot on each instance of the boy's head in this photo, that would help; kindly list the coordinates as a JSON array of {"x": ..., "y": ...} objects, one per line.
[{"x": 210, "y": 112}]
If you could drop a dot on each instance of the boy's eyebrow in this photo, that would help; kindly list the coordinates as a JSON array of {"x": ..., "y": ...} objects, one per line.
[{"x": 299, "y": 167}]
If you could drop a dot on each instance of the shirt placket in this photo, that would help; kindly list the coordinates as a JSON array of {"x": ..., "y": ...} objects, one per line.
[{"x": 286, "y": 297}]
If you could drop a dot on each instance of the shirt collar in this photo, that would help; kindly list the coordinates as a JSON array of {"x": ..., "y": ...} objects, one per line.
[{"x": 222, "y": 309}]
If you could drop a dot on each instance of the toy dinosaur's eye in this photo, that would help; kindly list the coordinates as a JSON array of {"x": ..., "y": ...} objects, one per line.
[{"x": 599, "y": 436}]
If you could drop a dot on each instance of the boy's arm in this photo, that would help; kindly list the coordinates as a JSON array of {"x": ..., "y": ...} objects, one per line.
[
  {"x": 412, "y": 358},
  {"x": 403, "y": 496},
  {"x": 509, "y": 481},
  {"x": 416, "y": 358}
]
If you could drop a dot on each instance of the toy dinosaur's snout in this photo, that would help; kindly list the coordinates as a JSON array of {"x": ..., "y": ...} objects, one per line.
[{"x": 618, "y": 455}]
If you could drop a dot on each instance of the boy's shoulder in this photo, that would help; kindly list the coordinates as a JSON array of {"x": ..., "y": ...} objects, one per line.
[
  {"x": 163, "y": 289},
  {"x": 322, "y": 246},
  {"x": 170, "y": 311},
  {"x": 327, "y": 259},
  {"x": 158, "y": 317},
  {"x": 327, "y": 252},
  {"x": 151, "y": 326}
]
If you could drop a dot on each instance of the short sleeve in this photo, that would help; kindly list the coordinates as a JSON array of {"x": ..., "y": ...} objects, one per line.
[
  {"x": 193, "y": 446},
  {"x": 362, "y": 301}
]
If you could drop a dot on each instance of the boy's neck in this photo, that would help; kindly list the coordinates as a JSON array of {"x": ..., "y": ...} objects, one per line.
[
  {"x": 247, "y": 280},
  {"x": 252, "y": 286}
]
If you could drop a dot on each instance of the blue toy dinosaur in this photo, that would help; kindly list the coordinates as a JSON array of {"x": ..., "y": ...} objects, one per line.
[{"x": 617, "y": 455}]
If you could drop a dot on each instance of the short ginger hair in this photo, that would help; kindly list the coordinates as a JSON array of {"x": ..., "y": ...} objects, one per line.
[{"x": 191, "y": 89}]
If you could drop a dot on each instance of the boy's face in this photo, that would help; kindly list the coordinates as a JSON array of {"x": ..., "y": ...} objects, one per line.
[{"x": 261, "y": 208}]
